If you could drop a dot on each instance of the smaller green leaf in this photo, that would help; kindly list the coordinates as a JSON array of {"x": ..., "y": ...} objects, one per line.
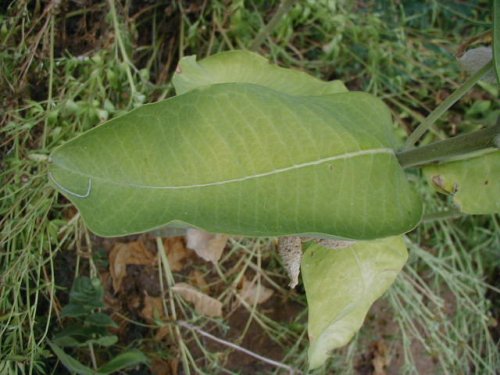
[
  {"x": 73, "y": 310},
  {"x": 69, "y": 362},
  {"x": 104, "y": 340},
  {"x": 87, "y": 292},
  {"x": 123, "y": 360},
  {"x": 474, "y": 183},
  {"x": 101, "y": 320},
  {"x": 341, "y": 285},
  {"x": 65, "y": 341},
  {"x": 79, "y": 335},
  {"x": 248, "y": 67}
]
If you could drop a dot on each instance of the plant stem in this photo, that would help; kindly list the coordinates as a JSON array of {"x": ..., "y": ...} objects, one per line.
[
  {"x": 284, "y": 7},
  {"x": 442, "y": 215},
  {"x": 92, "y": 356},
  {"x": 456, "y": 146},
  {"x": 445, "y": 105}
]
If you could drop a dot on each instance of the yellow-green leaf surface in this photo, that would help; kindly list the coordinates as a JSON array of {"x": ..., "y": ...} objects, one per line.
[
  {"x": 341, "y": 285},
  {"x": 248, "y": 67},
  {"x": 242, "y": 159},
  {"x": 474, "y": 183}
]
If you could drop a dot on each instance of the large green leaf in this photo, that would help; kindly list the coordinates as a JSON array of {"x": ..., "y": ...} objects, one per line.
[
  {"x": 242, "y": 159},
  {"x": 248, "y": 67},
  {"x": 474, "y": 183},
  {"x": 341, "y": 285}
]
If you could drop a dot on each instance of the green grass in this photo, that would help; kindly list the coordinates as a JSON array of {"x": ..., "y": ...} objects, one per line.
[{"x": 64, "y": 70}]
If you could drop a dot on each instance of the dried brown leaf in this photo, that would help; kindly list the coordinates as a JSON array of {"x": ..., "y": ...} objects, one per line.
[
  {"x": 381, "y": 358},
  {"x": 203, "y": 303},
  {"x": 176, "y": 252},
  {"x": 253, "y": 293},
  {"x": 153, "y": 309},
  {"x": 207, "y": 246},
  {"x": 164, "y": 367},
  {"x": 290, "y": 250},
  {"x": 196, "y": 279},
  {"x": 124, "y": 254}
]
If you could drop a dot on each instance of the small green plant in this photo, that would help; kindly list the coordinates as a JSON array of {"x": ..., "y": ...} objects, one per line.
[
  {"x": 89, "y": 330},
  {"x": 248, "y": 148}
]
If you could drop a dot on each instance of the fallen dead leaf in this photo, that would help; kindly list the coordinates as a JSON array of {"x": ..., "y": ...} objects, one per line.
[
  {"x": 203, "y": 303},
  {"x": 290, "y": 250},
  {"x": 381, "y": 359},
  {"x": 161, "y": 333},
  {"x": 124, "y": 254},
  {"x": 207, "y": 246},
  {"x": 196, "y": 279},
  {"x": 164, "y": 367},
  {"x": 153, "y": 309},
  {"x": 176, "y": 252},
  {"x": 254, "y": 293}
]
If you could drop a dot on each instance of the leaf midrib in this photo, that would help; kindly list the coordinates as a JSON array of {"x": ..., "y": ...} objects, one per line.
[{"x": 348, "y": 155}]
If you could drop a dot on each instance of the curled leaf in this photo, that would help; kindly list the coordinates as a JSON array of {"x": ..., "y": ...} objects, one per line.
[
  {"x": 290, "y": 250},
  {"x": 176, "y": 252},
  {"x": 254, "y": 293},
  {"x": 124, "y": 254},
  {"x": 203, "y": 304},
  {"x": 207, "y": 246}
]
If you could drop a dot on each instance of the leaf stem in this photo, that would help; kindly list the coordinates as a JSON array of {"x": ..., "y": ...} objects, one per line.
[
  {"x": 453, "y": 147},
  {"x": 284, "y": 7},
  {"x": 445, "y": 105},
  {"x": 451, "y": 213}
]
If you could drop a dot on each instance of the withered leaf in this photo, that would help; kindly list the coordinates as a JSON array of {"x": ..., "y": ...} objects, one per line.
[
  {"x": 253, "y": 293},
  {"x": 290, "y": 250},
  {"x": 203, "y": 303},
  {"x": 153, "y": 309},
  {"x": 176, "y": 252},
  {"x": 124, "y": 254},
  {"x": 207, "y": 246}
]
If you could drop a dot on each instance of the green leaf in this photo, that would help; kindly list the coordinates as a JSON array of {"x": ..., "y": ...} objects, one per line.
[
  {"x": 101, "y": 320},
  {"x": 69, "y": 362},
  {"x": 496, "y": 38},
  {"x": 67, "y": 341},
  {"x": 341, "y": 285},
  {"x": 86, "y": 292},
  {"x": 474, "y": 183},
  {"x": 248, "y": 67},
  {"x": 123, "y": 360},
  {"x": 72, "y": 310},
  {"x": 105, "y": 340},
  {"x": 242, "y": 159},
  {"x": 78, "y": 335}
]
